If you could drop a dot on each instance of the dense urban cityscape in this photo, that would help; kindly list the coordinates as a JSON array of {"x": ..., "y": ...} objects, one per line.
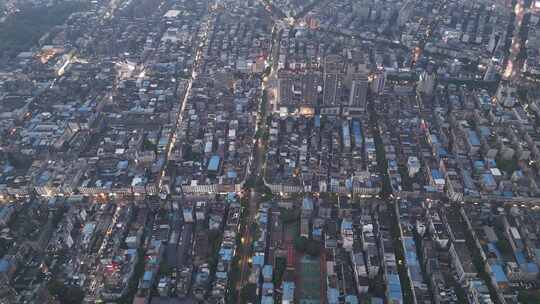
[{"x": 270, "y": 151}]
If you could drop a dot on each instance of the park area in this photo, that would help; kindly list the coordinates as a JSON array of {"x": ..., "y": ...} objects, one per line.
[
  {"x": 20, "y": 31},
  {"x": 310, "y": 280}
]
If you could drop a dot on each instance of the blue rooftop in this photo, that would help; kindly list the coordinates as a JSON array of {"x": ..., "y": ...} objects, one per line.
[
  {"x": 508, "y": 194},
  {"x": 317, "y": 121},
  {"x": 473, "y": 138},
  {"x": 226, "y": 254},
  {"x": 349, "y": 183},
  {"x": 484, "y": 131},
  {"x": 123, "y": 164},
  {"x": 436, "y": 174},
  {"x": 498, "y": 273},
  {"x": 221, "y": 275},
  {"x": 288, "y": 290},
  {"x": 531, "y": 267},
  {"x": 263, "y": 218},
  {"x": 258, "y": 260},
  {"x": 147, "y": 276},
  {"x": 213, "y": 163},
  {"x": 4, "y": 265},
  {"x": 346, "y": 224},
  {"x": 231, "y": 174},
  {"x": 307, "y": 203},
  {"x": 488, "y": 179},
  {"x": 410, "y": 251},
  {"x": 333, "y": 295},
  {"x": 231, "y": 197},
  {"x": 394, "y": 288},
  {"x": 268, "y": 285},
  {"x": 267, "y": 300},
  {"x": 520, "y": 258},
  {"x": 357, "y": 133},
  {"x": 350, "y": 299},
  {"x": 478, "y": 164},
  {"x": 267, "y": 271},
  {"x": 442, "y": 152},
  {"x": 345, "y": 130},
  {"x": 493, "y": 248}
]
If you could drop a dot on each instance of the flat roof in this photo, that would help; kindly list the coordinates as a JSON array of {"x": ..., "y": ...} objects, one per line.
[{"x": 213, "y": 163}]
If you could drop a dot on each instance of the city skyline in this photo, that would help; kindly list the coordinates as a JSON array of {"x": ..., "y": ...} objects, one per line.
[{"x": 270, "y": 151}]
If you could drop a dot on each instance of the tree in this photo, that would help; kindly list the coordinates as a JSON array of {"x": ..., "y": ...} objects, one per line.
[
  {"x": 262, "y": 134},
  {"x": 267, "y": 194},
  {"x": 252, "y": 183},
  {"x": 22, "y": 30},
  {"x": 279, "y": 270},
  {"x": 504, "y": 247},
  {"x": 165, "y": 269},
  {"x": 248, "y": 294},
  {"x": 529, "y": 296},
  {"x": 267, "y": 70},
  {"x": 307, "y": 246},
  {"x": 148, "y": 145},
  {"x": 289, "y": 216},
  {"x": 66, "y": 294},
  {"x": 189, "y": 154},
  {"x": 507, "y": 165}
]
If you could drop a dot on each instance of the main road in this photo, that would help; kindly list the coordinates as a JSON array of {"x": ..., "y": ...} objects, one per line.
[
  {"x": 256, "y": 172},
  {"x": 514, "y": 62},
  {"x": 203, "y": 34},
  {"x": 257, "y": 164}
]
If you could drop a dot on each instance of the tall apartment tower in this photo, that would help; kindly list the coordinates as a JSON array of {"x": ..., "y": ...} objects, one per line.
[
  {"x": 405, "y": 12},
  {"x": 332, "y": 83},
  {"x": 378, "y": 82},
  {"x": 358, "y": 92},
  {"x": 426, "y": 83}
]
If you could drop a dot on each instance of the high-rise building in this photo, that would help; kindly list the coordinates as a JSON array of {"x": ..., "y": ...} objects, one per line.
[
  {"x": 285, "y": 83},
  {"x": 333, "y": 80},
  {"x": 378, "y": 82},
  {"x": 298, "y": 90},
  {"x": 362, "y": 9},
  {"x": 358, "y": 93},
  {"x": 426, "y": 83},
  {"x": 491, "y": 72},
  {"x": 506, "y": 95},
  {"x": 355, "y": 63},
  {"x": 405, "y": 12}
]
